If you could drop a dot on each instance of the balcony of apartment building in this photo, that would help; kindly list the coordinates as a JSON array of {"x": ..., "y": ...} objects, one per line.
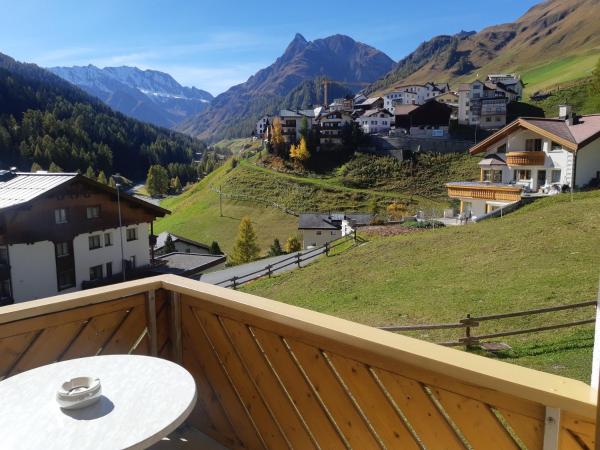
[{"x": 271, "y": 375}]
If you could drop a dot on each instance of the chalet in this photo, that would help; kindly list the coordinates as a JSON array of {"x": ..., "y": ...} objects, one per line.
[
  {"x": 61, "y": 232},
  {"x": 262, "y": 126},
  {"x": 331, "y": 124},
  {"x": 414, "y": 94},
  {"x": 428, "y": 120},
  {"x": 375, "y": 121},
  {"x": 532, "y": 156},
  {"x": 369, "y": 103},
  {"x": 319, "y": 229}
]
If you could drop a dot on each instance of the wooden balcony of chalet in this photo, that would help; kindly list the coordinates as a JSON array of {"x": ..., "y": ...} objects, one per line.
[
  {"x": 485, "y": 191},
  {"x": 525, "y": 158},
  {"x": 275, "y": 376}
]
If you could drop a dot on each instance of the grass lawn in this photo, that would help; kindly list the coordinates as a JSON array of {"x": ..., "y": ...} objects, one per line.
[
  {"x": 237, "y": 146},
  {"x": 542, "y": 255}
]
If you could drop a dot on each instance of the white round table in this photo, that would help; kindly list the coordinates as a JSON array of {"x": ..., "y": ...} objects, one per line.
[{"x": 143, "y": 400}]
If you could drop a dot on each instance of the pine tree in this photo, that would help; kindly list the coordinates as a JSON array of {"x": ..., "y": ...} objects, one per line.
[
  {"x": 275, "y": 249},
  {"x": 35, "y": 167},
  {"x": 89, "y": 173},
  {"x": 215, "y": 249},
  {"x": 293, "y": 245},
  {"x": 102, "y": 178},
  {"x": 157, "y": 182},
  {"x": 169, "y": 244},
  {"x": 245, "y": 248},
  {"x": 54, "y": 168}
]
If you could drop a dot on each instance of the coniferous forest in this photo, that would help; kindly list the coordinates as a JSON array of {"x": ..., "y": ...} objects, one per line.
[{"x": 47, "y": 121}]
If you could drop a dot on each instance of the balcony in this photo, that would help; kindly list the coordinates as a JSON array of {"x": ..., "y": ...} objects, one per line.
[
  {"x": 525, "y": 158},
  {"x": 271, "y": 375},
  {"x": 485, "y": 191}
]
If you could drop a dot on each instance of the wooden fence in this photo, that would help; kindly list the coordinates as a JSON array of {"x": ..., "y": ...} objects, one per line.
[{"x": 470, "y": 322}]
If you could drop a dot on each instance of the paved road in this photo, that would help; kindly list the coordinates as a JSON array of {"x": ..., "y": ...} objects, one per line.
[
  {"x": 132, "y": 191},
  {"x": 276, "y": 263}
]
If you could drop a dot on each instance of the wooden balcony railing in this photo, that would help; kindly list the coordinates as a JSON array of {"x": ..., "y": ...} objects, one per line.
[
  {"x": 525, "y": 158},
  {"x": 270, "y": 375},
  {"x": 493, "y": 193}
]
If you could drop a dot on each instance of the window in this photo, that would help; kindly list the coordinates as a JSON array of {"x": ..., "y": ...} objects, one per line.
[
  {"x": 501, "y": 149},
  {"x": 60, "y": 215},
  {"x": 108, "y": 269},
  {"x": 62, "y": 249},
  {"x": 494, "y": 176},
  {"x": 94, "y": 242},
  {"x": 108, "y": 239},
  {"x": 555, "y": 146},
  {"x": 556, "y": 173},
  {"x": 533, "y": 145},
  {"x": 96, "y": 273},
  {"x": 131, "y": 234},
  {"x": 66, "y": 279},
  {"x": 92, "y": 212},
  {"x": 318, "y": 233},
  {"x": 522, "y": 175}
]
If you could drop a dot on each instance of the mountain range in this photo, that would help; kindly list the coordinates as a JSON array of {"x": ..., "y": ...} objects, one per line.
[
  {"x": 554, "y": 41},
  {"x": 235, "y": 112},
  {"x": 148, "y": 95}
]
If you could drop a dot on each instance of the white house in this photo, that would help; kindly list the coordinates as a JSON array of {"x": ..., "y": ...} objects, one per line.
[
  {"x": 414, "y": 94},
  {"x": 318, "y": 229},
  {"x": 331, "y": 124},
  {"x": 532, "y": 156},
  {"x": 375, "y": 121},
  {"x": 60, "y": 232},
  {"x": 262, "y": 125}
]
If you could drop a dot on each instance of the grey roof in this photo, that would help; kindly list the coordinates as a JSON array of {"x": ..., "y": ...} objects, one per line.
[
  {"x": 332, "y": 221},
  {"x": 162, "y": 238},
  {"x": 24, "y": 187},
  {"x": 184, "y": 263},
  {"x": 492, "y": 160}
]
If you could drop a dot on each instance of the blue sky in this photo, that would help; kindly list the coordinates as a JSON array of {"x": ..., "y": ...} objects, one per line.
[{"x": 215, "y": 44}]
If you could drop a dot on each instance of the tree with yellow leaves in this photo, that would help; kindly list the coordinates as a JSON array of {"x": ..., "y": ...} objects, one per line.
[
  {"x": 300, "y": 152},
  {"x": 396, "y": 210},
  {"x": 277, "y": 141}
]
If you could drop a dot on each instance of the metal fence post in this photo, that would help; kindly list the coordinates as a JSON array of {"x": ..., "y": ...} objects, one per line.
[
  {"x": 269, "y": 270},
  {"x": 234, "y": 279},
  {"x": 298, "y": 258},
  {"x": 468, "y": 332},
  {"x": 326, "y": 248}
]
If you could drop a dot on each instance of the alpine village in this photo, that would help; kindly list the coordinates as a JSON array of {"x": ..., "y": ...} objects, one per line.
[{"x": 344, "y": 251}]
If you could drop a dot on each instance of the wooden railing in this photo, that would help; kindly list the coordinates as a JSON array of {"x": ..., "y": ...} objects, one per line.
[
  {"x": 493, "y": 193},
  {"x": 525, "y": 158},
  {"x": 270, "y": 375}
]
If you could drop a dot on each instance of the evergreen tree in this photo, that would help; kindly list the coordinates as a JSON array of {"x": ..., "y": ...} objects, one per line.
[
  {"x": 245, "y": 248},
  {"x": 275, "y": 249},
  {"x": 293, "y": 244},
  {"x": 35, "y": 167},
  {"x": 176, "y": 184},
  {"x": 157, "y": 181},
  {"x": 54, "y": 168},
  {"x": 89, "y": 173},
  {"x": 215, "y": 249},
  {"x": 169, "y": 244},
  {"x": 112, "y": 183},
  {"x": 102, "y": 178}
]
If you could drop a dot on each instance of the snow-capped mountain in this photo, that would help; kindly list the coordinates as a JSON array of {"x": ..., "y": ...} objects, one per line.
[{"x": 146, "y": 95}]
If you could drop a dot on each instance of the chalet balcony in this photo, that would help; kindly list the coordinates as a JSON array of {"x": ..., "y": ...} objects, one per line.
[
  {"x": 485, "y": 191},
  {"x": 271, "y": 375},
  {"x": 525, "y": 158}
]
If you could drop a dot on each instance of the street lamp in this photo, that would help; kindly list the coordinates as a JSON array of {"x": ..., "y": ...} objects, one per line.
[{"x": 118, "y": 185}]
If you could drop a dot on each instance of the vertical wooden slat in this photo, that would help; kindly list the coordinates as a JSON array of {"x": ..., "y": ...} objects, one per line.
[
  {"x": 176, "y": 345},
  {"x": 333, "y": 395},
  {"x": 268, "y": 384},
  {"x": 151, "y": 322},
  {"x": 322, "y": 428},
  {"x": 219, "y": 381},
  {"x": 429, "y": 424},
  {"x": 476, "y": 421},
  {"x": 529, "y": 430},
  {"x": 265, "y": 421},
  {"x": 383, "y": 417}
]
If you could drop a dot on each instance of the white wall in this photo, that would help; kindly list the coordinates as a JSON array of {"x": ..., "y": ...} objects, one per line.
[
  {"x": 33, "y": 271},
  {"x": 588, "y": 163},
  {"x": 312, "y": 238},
  {"x": 86, "y": 258}
]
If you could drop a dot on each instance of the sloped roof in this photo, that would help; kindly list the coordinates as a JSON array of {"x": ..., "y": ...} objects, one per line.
[
  {"x": 181, "y": 263},
  {"x": 492, "y": 160},
  {"x": 370, "y": 101},
  {"x": 372, "y": 112},
  {"x": 332, "y": 221},
  {"x": 162, "y": 238},
  {"x": 401, "y": 110}
]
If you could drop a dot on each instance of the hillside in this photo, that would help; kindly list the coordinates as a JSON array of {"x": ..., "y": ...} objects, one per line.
[
  {"x": 235, "y": 112},
  {"x": 44, "y": 119},
  {"x": 147, "y": 95},
  {"x": 553, "y": 42},
  {"x": 439, "y": 276},
  {"x": 252, "y": 190}
]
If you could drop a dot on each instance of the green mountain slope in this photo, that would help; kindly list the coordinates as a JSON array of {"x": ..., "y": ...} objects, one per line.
[
  {"x": 501, "y": 265},
  {"x": 44, "y": 119},
  {"x": 555, "y": 41}
]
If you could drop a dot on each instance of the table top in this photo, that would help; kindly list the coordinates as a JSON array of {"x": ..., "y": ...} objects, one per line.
[{"x": 143, "y": 400}]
